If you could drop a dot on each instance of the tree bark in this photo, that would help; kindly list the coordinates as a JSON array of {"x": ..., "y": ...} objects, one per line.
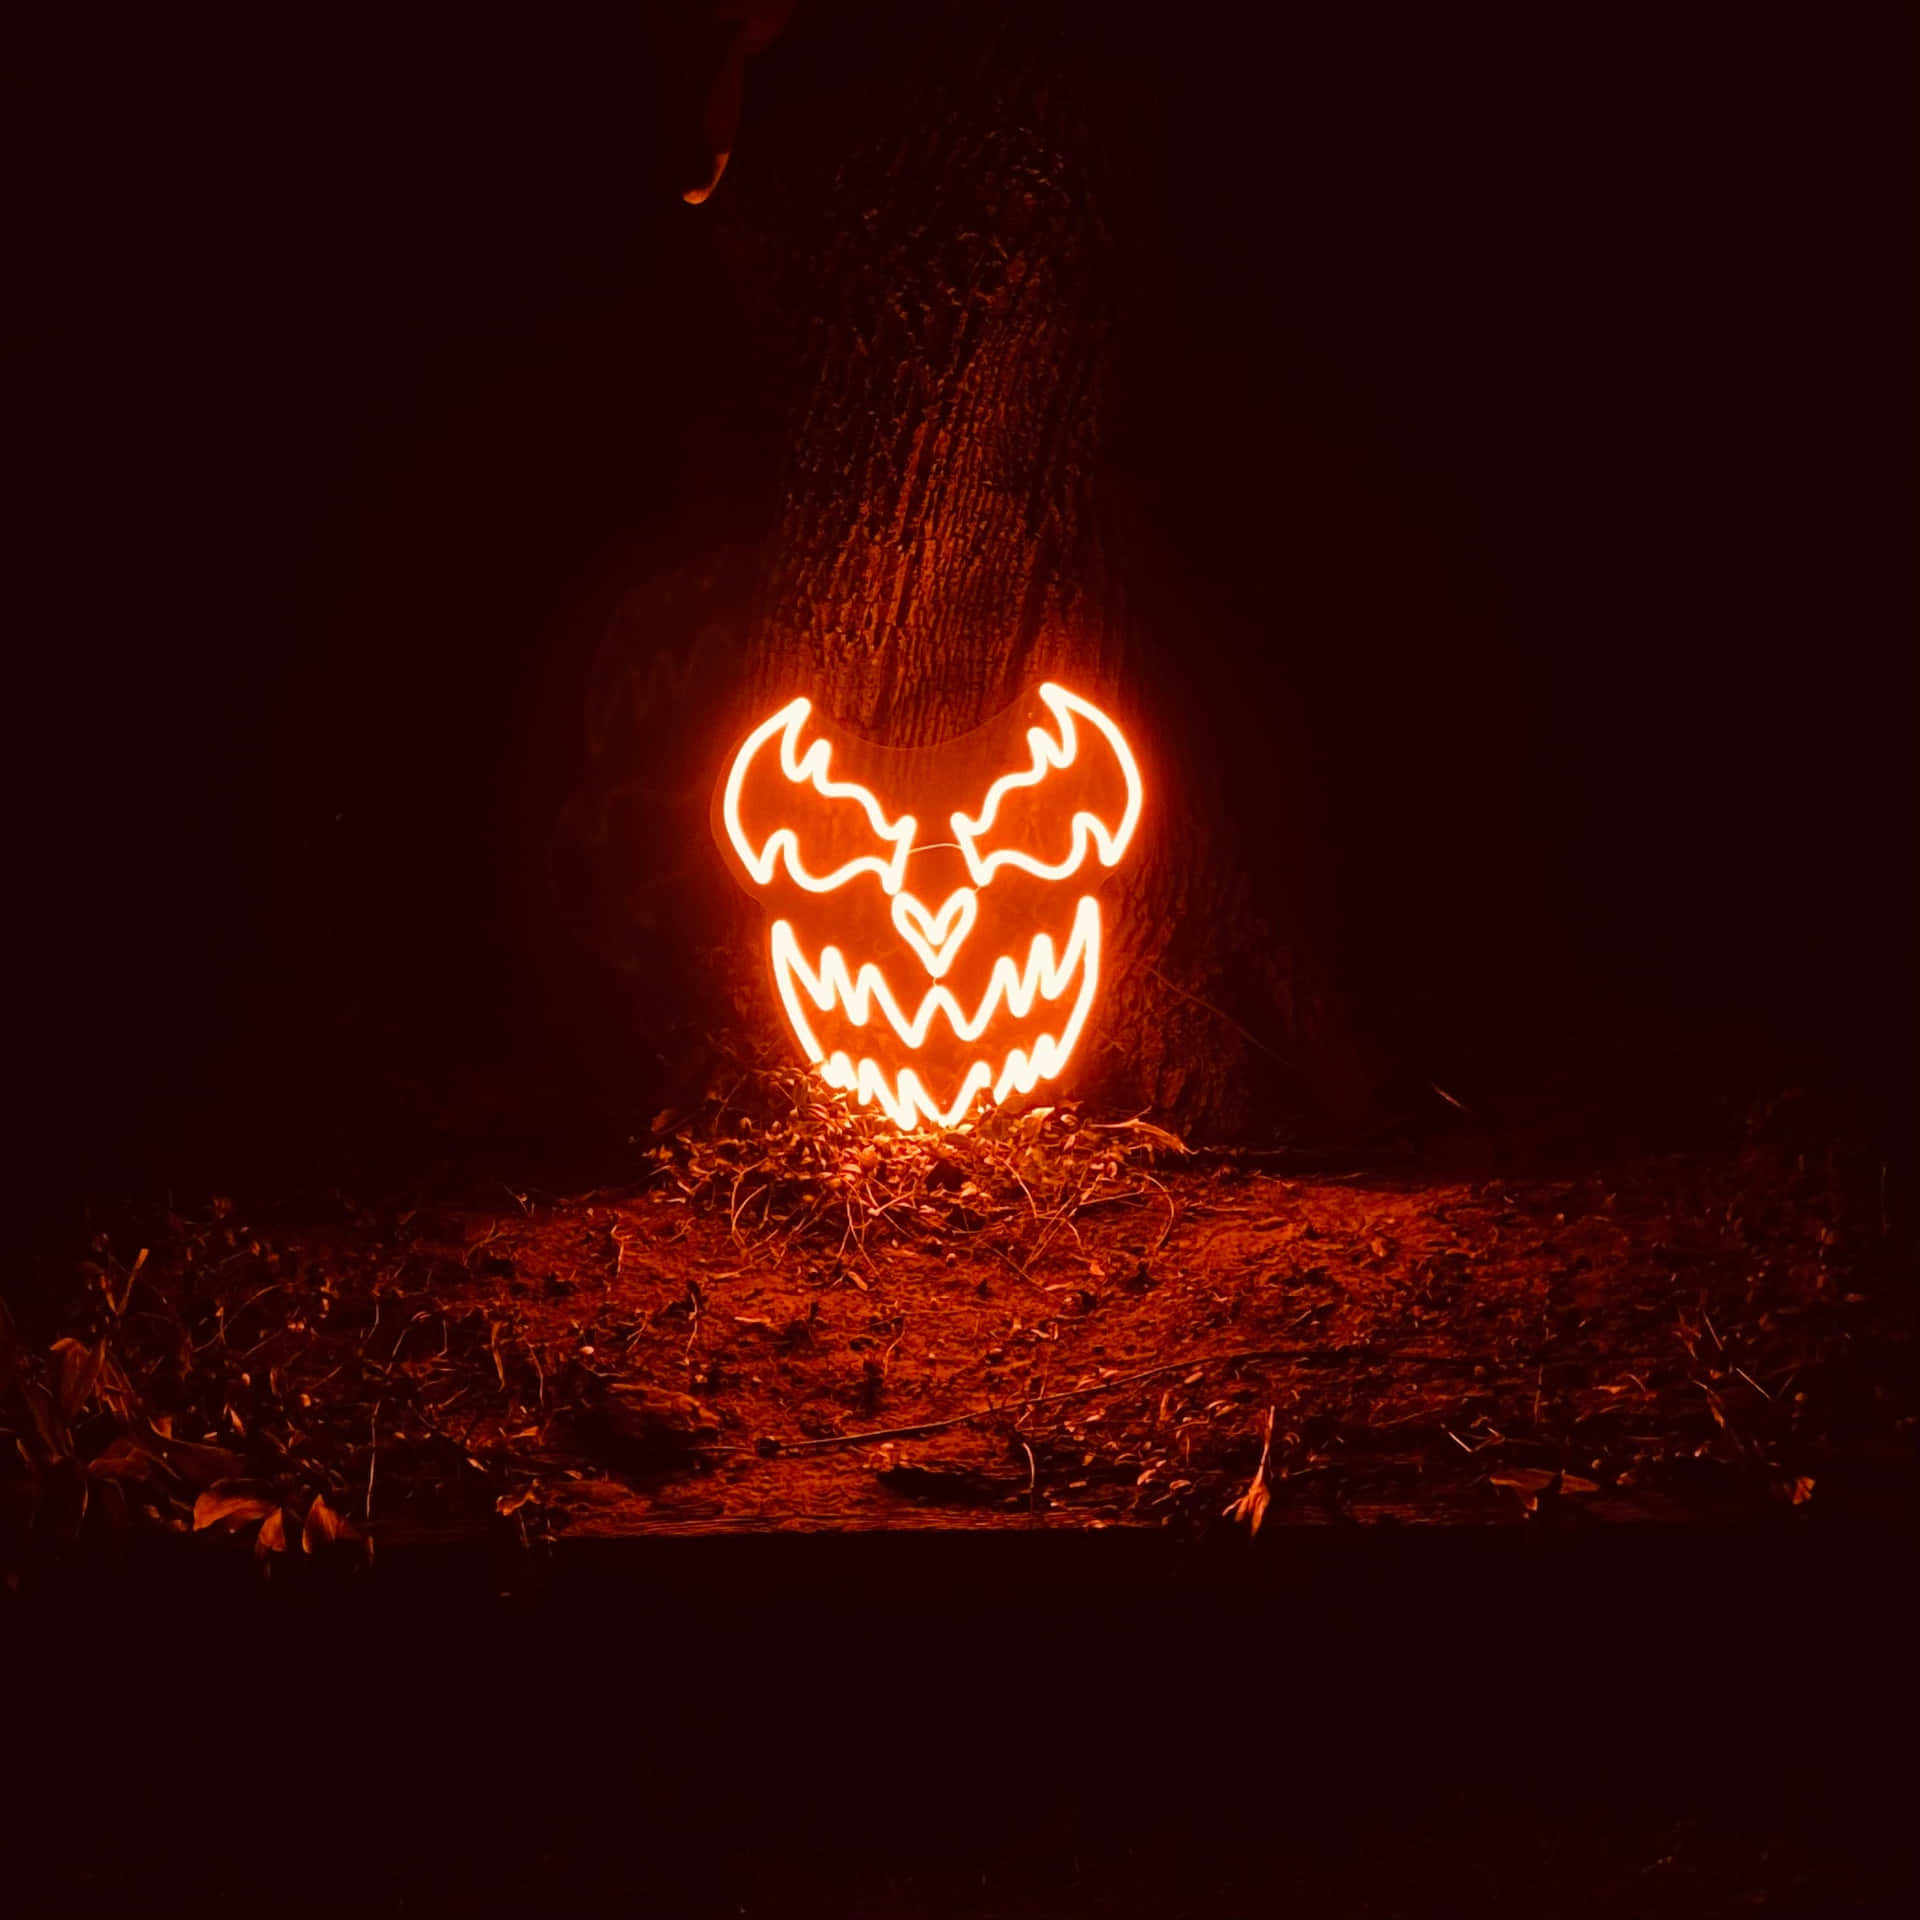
[{"x": 946, "y": 276}]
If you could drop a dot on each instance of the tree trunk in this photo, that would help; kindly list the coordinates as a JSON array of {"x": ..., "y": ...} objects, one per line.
[{"x": 945, "y": 267}]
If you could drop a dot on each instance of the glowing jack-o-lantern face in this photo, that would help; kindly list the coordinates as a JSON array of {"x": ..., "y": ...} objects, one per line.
[{"x": 934, "y": 931}]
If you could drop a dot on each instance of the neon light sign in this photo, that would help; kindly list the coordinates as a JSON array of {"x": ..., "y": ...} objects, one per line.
[{"x": 921, "y": 1009}]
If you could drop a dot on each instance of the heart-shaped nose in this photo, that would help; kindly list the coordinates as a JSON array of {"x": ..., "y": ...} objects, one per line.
[{"x": 936, "y": 937}]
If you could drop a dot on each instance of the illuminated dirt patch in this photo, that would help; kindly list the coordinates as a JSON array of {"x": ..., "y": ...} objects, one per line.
[{"x": 1085, "y": 1337}]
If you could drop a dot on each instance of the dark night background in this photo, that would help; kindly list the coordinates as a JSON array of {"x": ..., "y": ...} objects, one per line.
[{"x": 1526, "y": 399}]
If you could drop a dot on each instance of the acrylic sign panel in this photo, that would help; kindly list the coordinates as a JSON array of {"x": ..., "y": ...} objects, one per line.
[{"x": 933, "y": 934}]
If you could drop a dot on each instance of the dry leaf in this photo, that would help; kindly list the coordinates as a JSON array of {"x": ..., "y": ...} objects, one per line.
[
  {"x": 126, "y": 1459},
  {"x": 1252, "y": 1505},
  {"x": 79, "y": 1369},
  {"x": 324, "y": 1527},
  {"x": 1534, "y": 1484},
  {"x": 1528, "y": 1480},
  {"x": 198, "y": 1463},
  {"x": 116, "y": 1391},
  {"x": 229, "y": 1508},
  {"x": 272, "y": 1537},
  {"x": 46, "y": 1418}
]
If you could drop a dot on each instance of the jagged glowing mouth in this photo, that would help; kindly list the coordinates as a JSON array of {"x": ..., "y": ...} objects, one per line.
[
  {"x": 1044, "y": 984},
  {"x": 923, "y": 969}
]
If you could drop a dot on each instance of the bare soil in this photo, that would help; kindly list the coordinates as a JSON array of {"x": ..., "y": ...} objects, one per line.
[{"x": 1669, "y": 1337}]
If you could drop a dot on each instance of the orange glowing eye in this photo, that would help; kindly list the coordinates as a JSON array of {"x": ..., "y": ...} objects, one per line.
[{"x": 921, "y": 967}]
